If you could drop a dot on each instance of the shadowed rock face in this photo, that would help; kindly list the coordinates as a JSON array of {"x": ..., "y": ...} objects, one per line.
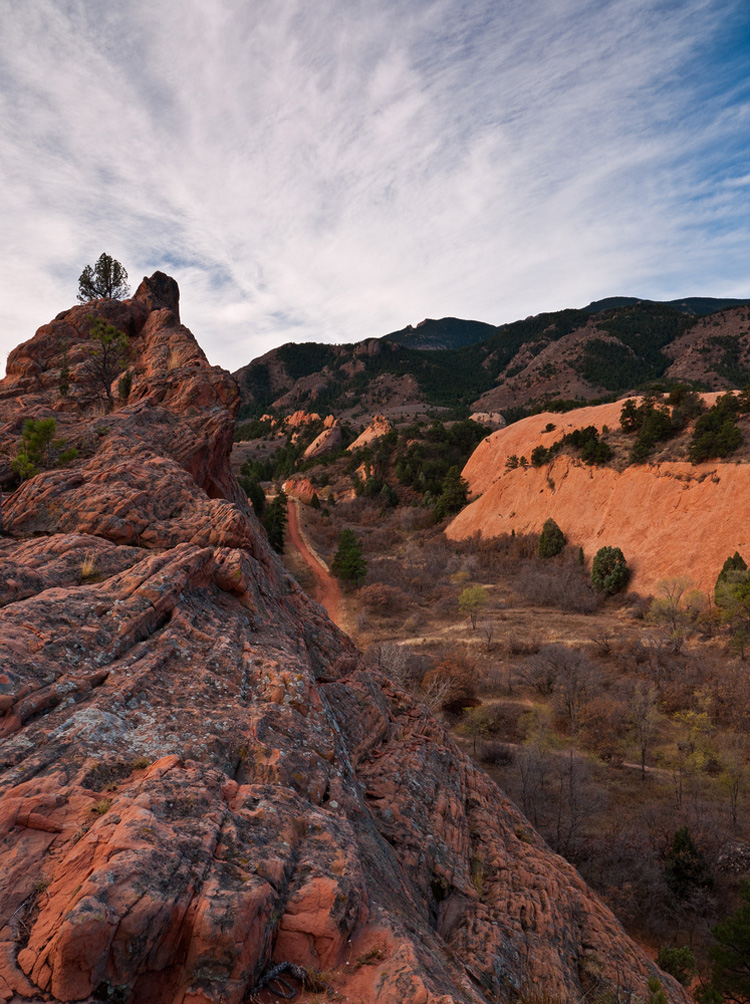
[{"x": 197, "y": 776}]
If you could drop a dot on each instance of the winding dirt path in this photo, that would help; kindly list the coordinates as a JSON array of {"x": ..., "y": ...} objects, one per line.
[{"x": 326, "y": 591}]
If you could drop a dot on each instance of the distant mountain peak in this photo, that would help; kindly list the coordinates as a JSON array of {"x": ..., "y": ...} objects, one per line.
[{"x": 698, "y": 306}]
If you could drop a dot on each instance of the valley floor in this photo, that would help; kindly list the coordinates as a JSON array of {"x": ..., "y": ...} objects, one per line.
[{"x": 545, "y": 689}]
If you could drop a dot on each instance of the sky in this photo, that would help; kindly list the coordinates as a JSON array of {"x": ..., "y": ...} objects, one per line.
[{"x": 335, "y": 170}]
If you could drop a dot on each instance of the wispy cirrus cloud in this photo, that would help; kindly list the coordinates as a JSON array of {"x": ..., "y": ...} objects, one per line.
[{"x": 334, "y": 171}]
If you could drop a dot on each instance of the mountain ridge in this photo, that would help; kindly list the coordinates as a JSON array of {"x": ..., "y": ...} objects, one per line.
[{"x": 573, "y": 355}]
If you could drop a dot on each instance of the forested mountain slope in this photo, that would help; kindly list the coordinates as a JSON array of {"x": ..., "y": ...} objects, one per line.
[{"x": 570, "y": 355}]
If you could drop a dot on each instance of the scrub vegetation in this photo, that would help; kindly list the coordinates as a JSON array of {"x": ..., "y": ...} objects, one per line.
[{"x": 617, "y": 722}]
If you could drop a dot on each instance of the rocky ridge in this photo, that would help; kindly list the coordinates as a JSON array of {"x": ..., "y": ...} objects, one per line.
[
  {"x": 330, "y": 439},
  {"x": 586, "y": 355},
  {"x": 198, "y": 777}
]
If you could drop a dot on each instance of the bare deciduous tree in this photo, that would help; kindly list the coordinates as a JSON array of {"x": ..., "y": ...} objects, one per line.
[
  {"x": 677, "y": 609},
  {"x": 489, "y": 630},
  {"x": 393, "y": 659},
  {"x": 644, "y": 719}
]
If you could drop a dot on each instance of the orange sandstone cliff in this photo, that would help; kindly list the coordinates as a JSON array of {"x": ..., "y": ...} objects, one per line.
[
  {"x": 198, "y": 778},
  {"x": 669, "y": 519}
]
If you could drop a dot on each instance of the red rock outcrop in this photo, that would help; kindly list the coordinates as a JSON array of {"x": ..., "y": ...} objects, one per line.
[
  {"x": 198, "y": 778},
  {"x": 300, "y": 418},
  {"x": 669, "y": 519},
  {"x": 494, "y": 419},
  {"x": 378, "y": 427},
  {"x": 300, "y": 488},
  {"x": 329, "y": 440}
]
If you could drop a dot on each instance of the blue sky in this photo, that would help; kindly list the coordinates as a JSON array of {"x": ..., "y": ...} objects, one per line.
[{"x": 335, "y": 170}]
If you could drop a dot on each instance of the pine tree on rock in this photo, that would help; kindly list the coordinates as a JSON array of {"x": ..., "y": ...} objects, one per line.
[
  {"x": 107, "y": 279},
  {"x": 109, "y": 352}
]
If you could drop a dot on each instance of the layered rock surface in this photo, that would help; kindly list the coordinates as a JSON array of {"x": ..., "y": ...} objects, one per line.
[
  {"x": 198, "y": 778},
  {"x": 669, "y": 519}
]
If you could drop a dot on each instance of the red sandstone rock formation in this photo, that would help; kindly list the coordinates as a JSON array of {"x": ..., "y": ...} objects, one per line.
[
  {"x": 300, "y": 488},
  {"x": 197, "y": 776},
  {"x": 328, "y": 441},
  {"x": 300, "y": 418},
  {"x": 378, "y": 427},
  {"x": 669, "y": 519}
]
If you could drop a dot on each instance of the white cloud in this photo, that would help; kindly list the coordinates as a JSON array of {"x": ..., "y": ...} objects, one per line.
[{"x": 333, "y": 171}]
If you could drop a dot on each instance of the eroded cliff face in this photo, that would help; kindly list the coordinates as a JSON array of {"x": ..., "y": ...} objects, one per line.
[
  {"x": 198, "y": 779},
  {"x": 669, "y": 519}
]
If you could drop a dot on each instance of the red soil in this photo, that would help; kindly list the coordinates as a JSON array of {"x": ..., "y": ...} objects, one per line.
[{"x": 326, "y": 590}]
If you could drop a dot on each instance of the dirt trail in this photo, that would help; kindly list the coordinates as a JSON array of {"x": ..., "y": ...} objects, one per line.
[{"x": 326, "y": 590}]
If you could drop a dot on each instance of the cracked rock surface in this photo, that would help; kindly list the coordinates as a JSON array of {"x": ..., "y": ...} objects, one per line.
[{"x": 198, "y": 778}]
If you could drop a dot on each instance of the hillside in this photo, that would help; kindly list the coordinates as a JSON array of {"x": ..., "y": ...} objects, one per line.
[
  {"x": 669, "y": 517},
  {"x": 699, "y": 306},
  {"x": 573, "y": 355},
  {"x": 447, "y": 333},
  {"x": 200, "y": 780}
]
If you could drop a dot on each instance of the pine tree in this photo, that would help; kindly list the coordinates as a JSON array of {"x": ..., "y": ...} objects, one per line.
[
  {"x": 39, "y": 450},
  {"x": 108, "y": 354},
  {"x": 678, "y": 962},
  {"x": 609, "y": 570},
  {"x": 735, "y": 563},
  {"x": 275, "y": 521},
  {"x": 732, "y": 598},
  {"x": 455, "y": 491},
  {"x": 349, "y": 563},
  {"x": 255, "y": 494},
  {"x": 730, "y": 956},
  {"x": 551, "y": 540},
  {"x": 685, "y": 868},
  {"x": 107, "y": 279}
]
